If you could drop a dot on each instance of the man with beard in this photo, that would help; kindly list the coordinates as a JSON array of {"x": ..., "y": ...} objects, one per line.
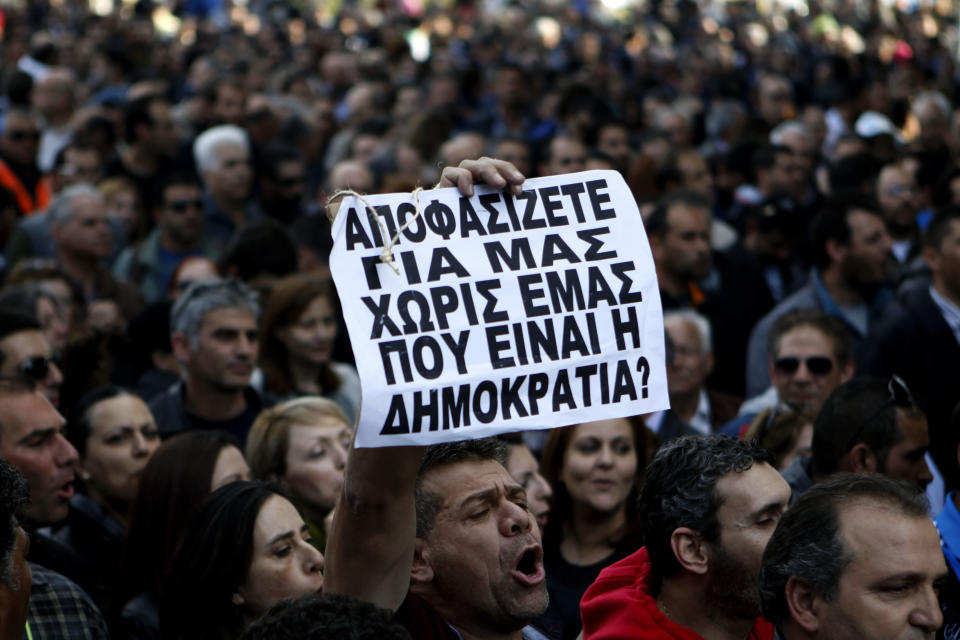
[
  {"x": 851, "y": 251},
  {"x": 897, "y": 197},
  {"x": 866, "y": 425},
  {"x": 856, "y": 557},
  {"x": 178, "y": 235},
  {"x": 443, "y": 539},
  {"x": 708, "y": 505},
  {"x": 728, "y": 290}
]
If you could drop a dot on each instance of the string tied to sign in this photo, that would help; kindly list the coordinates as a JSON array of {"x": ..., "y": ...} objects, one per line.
[{"x": 386, "y": 256}]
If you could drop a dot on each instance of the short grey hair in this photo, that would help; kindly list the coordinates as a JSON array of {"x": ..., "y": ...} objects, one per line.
[
  {"x": 699, "y": 321},
  {"x": 206, "y": 144},
  {"x": 61, "y": 207},
  {"x": 788, "y": 128},
  {"x": 934, "y": 98},
  {"x": 202, "y": 297},
  {"x": 723, "y": 115}
]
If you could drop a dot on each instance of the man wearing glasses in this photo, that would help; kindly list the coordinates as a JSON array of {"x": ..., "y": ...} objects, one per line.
[
  {"x": 809, "y": 358},
  {"x": 867, "y": 425},
  {"x": 26, "y": 353},
  {"x": 178, "y": 235},
  {"x": 19, "y": 174}
]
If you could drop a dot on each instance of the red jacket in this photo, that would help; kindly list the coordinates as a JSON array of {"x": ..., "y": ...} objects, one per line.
[{"x": 618, "y": 606}]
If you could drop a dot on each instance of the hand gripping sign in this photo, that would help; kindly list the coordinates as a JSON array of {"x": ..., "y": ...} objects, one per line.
[{"x": 499, "y": 313}]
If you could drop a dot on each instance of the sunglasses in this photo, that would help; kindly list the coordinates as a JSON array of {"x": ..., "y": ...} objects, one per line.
[
  {"x": 19, "y": 136},
  {"x": 182, "y": 205},
  {"x": 37, "y": 367},
  {"x": 816, "y": 365},
  {"x": 898, "y": 396}
]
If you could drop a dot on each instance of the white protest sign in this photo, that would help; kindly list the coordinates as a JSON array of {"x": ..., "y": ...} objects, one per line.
[{"x": 509, "y": 312}]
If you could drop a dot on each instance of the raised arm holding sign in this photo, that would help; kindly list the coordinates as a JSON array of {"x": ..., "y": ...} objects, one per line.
[{"x": 509, "y": 308}]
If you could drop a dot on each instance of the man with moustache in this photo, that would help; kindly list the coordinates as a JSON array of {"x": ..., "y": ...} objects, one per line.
[
  {"x": 444, "y": 539},
  {"x": 708, "y": 506},
  {"x": 852, "y": 261}
]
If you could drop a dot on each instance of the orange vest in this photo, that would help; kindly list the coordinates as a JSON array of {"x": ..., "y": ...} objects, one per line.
[{"x": 27, "y": 203}]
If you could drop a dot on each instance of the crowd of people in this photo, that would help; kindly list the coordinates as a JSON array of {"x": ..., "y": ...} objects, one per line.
[{"x": 178, "y": 392}]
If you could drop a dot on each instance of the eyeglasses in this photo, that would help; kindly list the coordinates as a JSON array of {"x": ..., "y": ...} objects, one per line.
[
  {"x": 899, "y": 396},
  {"x": 182, "y": 205},
  {"x": 816, "y": 365},
  {"x": 37, "y": 367}
]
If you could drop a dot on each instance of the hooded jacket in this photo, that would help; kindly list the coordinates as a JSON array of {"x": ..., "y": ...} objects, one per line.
[{"x": 620, "y": 606}]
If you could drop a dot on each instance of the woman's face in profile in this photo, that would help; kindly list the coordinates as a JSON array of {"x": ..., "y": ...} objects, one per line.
[
  {"x": 316, "y": 458},
  {"x": 283, "y": 563},
  {"x": 123, "y": 436},
  {"x": 312, "y": 335}
]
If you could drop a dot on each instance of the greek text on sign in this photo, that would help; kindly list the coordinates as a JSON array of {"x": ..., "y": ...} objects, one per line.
[{"x": 509, "y": 312}]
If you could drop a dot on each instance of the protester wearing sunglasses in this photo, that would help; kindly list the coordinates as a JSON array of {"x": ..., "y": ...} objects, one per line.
[
  {"x": 19, "y": 174},
  {"x": 808, "y": 360},
  {"x": 26, "y": 353},
  {"x": 150, "y": 264}
]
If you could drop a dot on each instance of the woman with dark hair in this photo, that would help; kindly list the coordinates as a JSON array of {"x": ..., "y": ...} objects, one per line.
[
  {"x": 33, "y": 299},
  {"x": 115, "y": 434},
  {"x": 182, "y": 472},
  {"x": 245, "y": 550},
  {"x": 596, "y": 470},
  {"x": 299, "y": 328}
]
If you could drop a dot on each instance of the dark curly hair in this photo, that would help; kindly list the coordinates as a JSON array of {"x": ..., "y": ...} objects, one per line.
[
  {"x": 13, "y": 504},
  {"x": 680, "y": 491},
  {"x": 331, "y": 616}
]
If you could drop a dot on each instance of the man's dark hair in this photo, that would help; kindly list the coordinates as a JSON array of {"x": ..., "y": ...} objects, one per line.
[
  {"x": 12, "y": 322},
  {"x": 137, "y": 112},
  {"x": 60, "y": 159},
  {"x": 856, "y": 172},
  {"x": 656, "y": 223},
  {"x": 828, "y": 325},
  {"x": 428, "y": 504},
  {"x": 14, "y": 498},
  {"x": 833, "y": 223},
  {"x": 939, "y": 227},
  {"x": 859, "y": 409},
  {"x": 593, "y": 132},
  {"x": 669, "y": 178},
  {"x": 265, "y": 246},
  {"x": 178, "y": 178},
  {"x": 766, "y": 156},
  {"x": 807, "y": 543},
  {"x": 78, "y": 422},
  {"x": 680, "y": 490},
  {"x": 273, "y": 156},
  {"x": 332, "y": 616}
]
